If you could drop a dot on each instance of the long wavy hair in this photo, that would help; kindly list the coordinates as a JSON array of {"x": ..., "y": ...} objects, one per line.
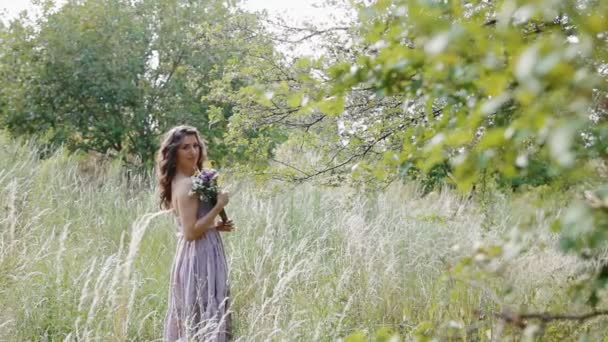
[{"x": 166, "y": 160}]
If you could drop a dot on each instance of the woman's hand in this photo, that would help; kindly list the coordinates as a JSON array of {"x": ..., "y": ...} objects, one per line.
[{"x": 227, "y": 226}]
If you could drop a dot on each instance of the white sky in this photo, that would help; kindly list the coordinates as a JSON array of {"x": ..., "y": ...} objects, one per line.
[
  {"x": 297, "y": 9},
  {"x": 293, "y": 11}
]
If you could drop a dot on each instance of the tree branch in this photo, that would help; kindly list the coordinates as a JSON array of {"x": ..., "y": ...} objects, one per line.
[
  {"x": 312, "y": 32},
  {"x": 519, "y": 320}
]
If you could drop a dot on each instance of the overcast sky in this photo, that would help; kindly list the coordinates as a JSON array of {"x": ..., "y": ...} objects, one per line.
[
  {"x": 294, "y": 11},
  {"x": 297, "y": 9}
]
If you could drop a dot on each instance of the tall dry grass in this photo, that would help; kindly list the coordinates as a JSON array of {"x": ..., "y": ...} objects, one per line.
[{"x": 86, "y": 255}]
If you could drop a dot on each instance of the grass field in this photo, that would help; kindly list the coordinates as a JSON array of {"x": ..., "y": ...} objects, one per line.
[{"x": 85, "y": 255}]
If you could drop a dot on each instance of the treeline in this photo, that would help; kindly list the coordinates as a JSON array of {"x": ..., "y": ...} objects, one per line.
[
  {"x": 110, "y": 76},
  {"x": 463, "y": 93}
]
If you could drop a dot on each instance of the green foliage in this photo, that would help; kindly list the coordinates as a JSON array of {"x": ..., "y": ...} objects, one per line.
[
  {"x": 381, "y": 335},
  {"x": 111, "y": 76},
  {"x": 408, "y": 91},
  {"x": 537, "y": 172},
  {"x": 470, "y": 91},
  {"x": 484, "y": 95}
]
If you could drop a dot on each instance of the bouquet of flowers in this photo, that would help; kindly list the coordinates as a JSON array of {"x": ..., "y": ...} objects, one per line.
[{"x": 204, "y": 185}]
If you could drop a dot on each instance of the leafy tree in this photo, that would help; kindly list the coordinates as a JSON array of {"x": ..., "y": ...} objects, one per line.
[
  {"x": 111, "y": 75},
  {"x": 402, "y": 87},
  {"x": 464, "y": 89}
]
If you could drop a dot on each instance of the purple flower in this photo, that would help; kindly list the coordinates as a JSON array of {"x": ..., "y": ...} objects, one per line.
[
  {"x": 207, "y": 175},
  {"x": 204, "y": 185}
]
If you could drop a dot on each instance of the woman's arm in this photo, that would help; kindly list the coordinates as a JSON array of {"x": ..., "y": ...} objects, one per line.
[{"x": 187, "y": 207}]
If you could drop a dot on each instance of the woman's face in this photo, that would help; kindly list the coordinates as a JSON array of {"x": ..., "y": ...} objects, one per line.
[{"x": 188, "y": 153}]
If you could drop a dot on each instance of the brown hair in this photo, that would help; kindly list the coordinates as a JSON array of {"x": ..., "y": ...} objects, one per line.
[{"x": 166, "y": 159}]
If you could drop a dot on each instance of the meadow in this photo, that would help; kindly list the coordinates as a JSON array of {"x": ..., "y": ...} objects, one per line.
[{"x": 85, "y": 254}]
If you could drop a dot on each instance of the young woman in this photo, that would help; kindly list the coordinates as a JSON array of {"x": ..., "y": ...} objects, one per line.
[{"x": 198, "y": 293}]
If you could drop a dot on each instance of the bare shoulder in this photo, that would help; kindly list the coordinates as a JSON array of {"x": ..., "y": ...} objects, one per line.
[{"x": 182, "y": 187}]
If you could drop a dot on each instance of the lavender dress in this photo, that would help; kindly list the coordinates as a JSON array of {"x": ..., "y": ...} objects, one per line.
[{"x": 198, "y": 293}]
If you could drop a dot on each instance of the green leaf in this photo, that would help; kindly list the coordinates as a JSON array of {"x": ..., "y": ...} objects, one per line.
[
  {"x": 332, "y": 106},
  {"x": 492, "y": 138},
  {"x": 385, "y": 334},
  {"x": 560, "y": 143},
  {"x": 358, "y": 336},
  {"x": 294, "y": 100}
]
